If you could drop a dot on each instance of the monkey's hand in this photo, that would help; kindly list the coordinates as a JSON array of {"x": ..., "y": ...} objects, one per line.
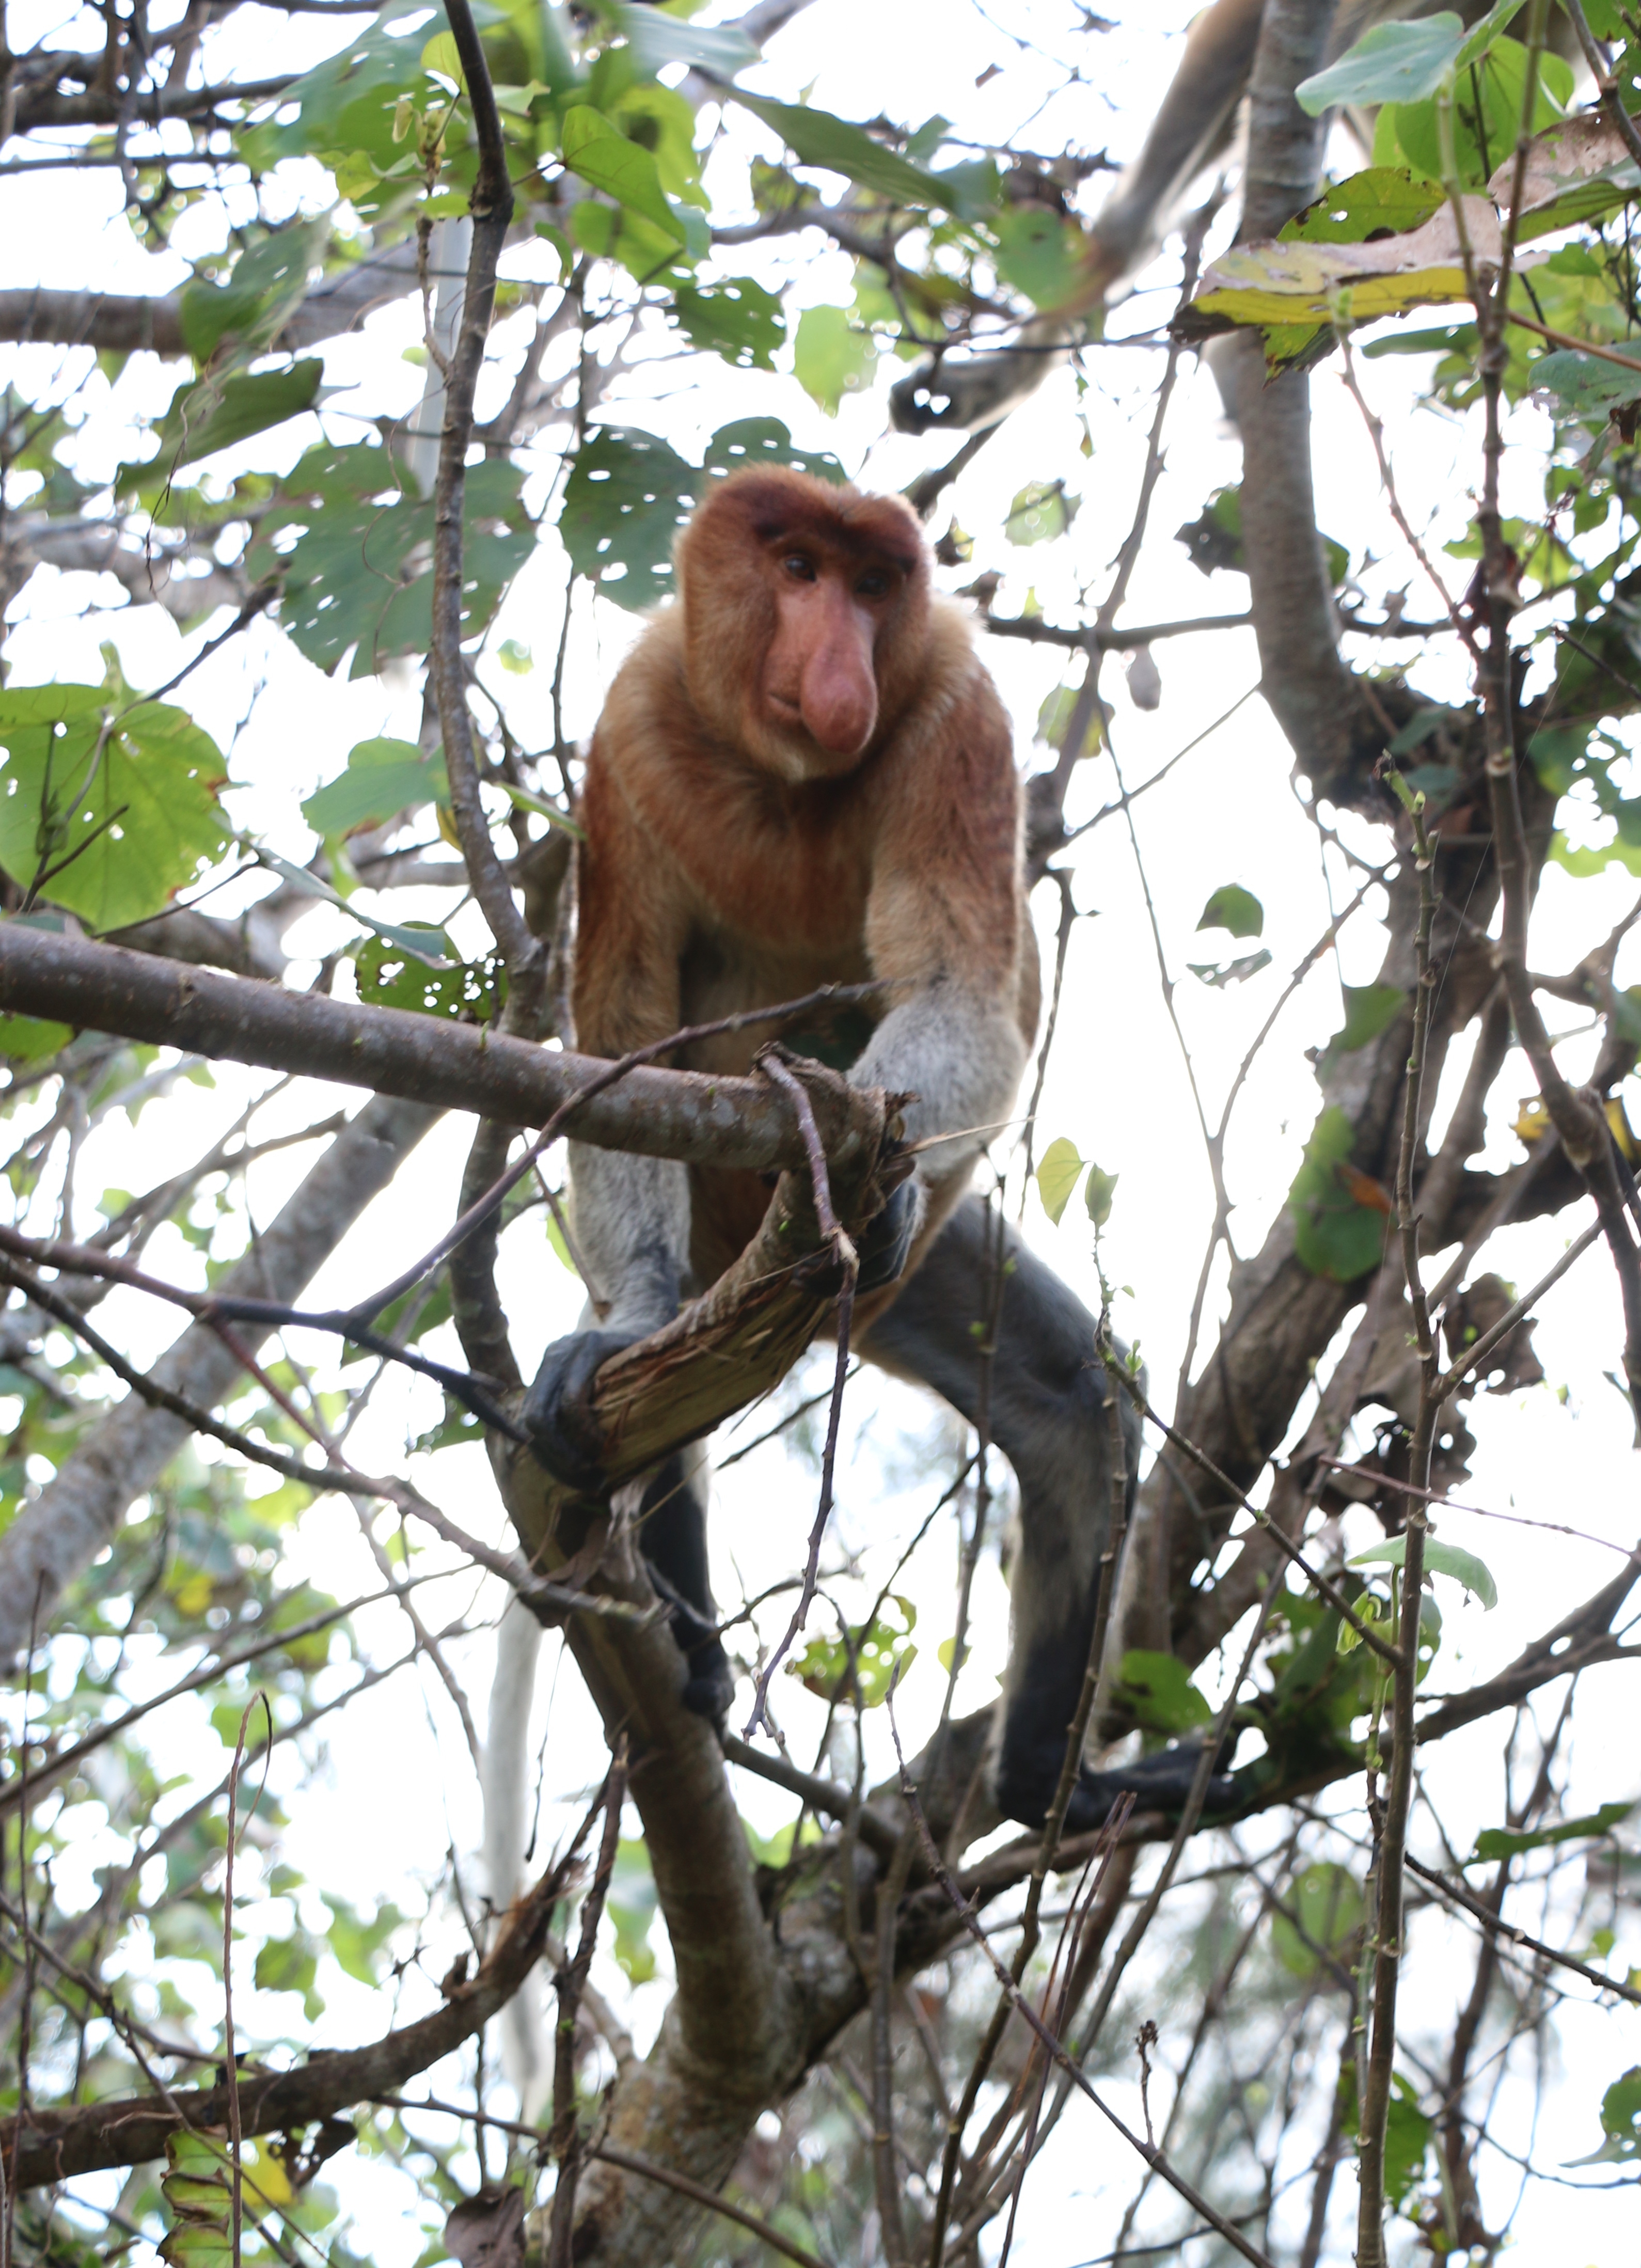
[
  {"x": 1158, "y": 1783},
  {"x": 886, "y": 1240},
  {"x": 558, "y": 1409}
]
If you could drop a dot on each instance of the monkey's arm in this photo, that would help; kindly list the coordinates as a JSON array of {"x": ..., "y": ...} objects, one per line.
[
  {"x": 631, "y": 1213},
  {"x": 946, "y": 917}
]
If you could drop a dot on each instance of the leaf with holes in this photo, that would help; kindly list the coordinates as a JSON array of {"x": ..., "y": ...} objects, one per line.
[
  {"x": 865, "y": 1663},
  {"x": 388, "y": 977},
  {"x": 1158, "y": 1688},
  {"x": 106, "y": 808},
  {"x": 266, "y": 286},
  {"x": 1351, "y": 210},
  {"x": 215, "y": 413},
  {"x": 738, "y": 320},
  {"x": 627, "y": 497},
  {"x": 765, "y": 441},
  {"x": 354, "y": 551}
]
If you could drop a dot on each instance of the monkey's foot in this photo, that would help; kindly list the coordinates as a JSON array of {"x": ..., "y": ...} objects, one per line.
[
  {"x": 710, "y": 1686},
  {"x": 558, "y": 1409}
]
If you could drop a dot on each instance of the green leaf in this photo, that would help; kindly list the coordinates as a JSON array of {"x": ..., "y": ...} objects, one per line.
[
  {"x": 1439, "y": 1559},
  {"x": 738, "y": 320},
  {"x": 815, "y": 137},
  {"x": 1327, "y": 1903},
  {"x": 121, "y": 801},
  {"x": 626, "y": 498},
  {"x": 1040, "y": 512},
  {"x": 1499, "y": 17},
  {"x": 289, "y": 1965},
  {"x": 1496, "y": 1843},
  {"x": 1488, "y": 100},
  {"x": 269, "y": 283},
  {"x": 1054, "y": 719},
  {"x": 604, "y": 157},
  {"x": 357, "y": 1942},
  {"x": 1057, "y": 1170},
  {"x": 1349, "y": 211},
  {"x": 1587, "y": 385},
  {"x": 1040, "y": 253},
  {"x": 1334, "y": 1235},
  {"x": 879, "y": 1651},
  {"x": 214, "y": 413},
  {"x": 631, "y": 1906},
  {"x": 1231, "y": 906},
  {"x": 832, "y": 357},
  {"x": 383, "y": 778},
  {"x": 1393, "y": 62},
  {"x": 30, "y": 1039},
  {"x": 1369, "y": 1010},
  {"x": 1158, "y": 1688},
  {"x": 1620, "y": 2117},
  {"x": 1097, "y": 1194}
]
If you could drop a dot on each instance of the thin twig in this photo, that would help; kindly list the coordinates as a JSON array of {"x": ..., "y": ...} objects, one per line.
[
  {"x": 564, "y": 2138},
  {"x": 1056, "y": 2047},
  {"x": 1489, "y": 1921},
  {"x": 770, "y": 1062}
]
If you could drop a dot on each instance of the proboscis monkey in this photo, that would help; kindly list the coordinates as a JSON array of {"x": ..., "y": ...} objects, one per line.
[{"x": 802, "y": 775}]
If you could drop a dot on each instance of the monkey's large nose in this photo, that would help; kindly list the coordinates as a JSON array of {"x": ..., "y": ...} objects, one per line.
[{"x": 839, "y": 695}]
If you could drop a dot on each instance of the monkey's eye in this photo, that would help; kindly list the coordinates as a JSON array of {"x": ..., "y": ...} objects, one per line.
[
  {"x": 874, "y": 584},
  {"x": 801, "y": 568}
]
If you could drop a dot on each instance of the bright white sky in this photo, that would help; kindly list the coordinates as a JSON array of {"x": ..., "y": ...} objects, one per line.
[{"x": 372, "y": 1828}]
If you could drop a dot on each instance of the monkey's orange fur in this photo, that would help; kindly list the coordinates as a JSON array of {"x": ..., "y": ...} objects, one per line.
[{"x": 742, "y": 849}]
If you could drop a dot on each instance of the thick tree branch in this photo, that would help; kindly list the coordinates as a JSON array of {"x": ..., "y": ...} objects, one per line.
[{"x": 663, "y": 1113}]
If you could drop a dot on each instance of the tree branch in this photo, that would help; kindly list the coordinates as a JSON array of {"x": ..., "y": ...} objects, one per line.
[{"x": 663, "y": 1113}]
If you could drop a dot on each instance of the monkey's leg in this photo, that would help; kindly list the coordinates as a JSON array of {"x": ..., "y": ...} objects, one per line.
[
  {"x": 673, "y": 1535},
  {"x": 1049, "y": 1416}
]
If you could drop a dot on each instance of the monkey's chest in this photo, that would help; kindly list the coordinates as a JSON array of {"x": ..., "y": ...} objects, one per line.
[{"x": 725, "y": 973}]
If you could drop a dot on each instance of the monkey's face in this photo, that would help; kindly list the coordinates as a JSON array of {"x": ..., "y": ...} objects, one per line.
[
  {"x": 818, "y": 690},
  {"x": 805, "y": 619}
]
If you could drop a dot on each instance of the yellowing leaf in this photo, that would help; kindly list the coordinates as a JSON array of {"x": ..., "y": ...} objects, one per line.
[
  {"x": 1302, "y": 287},
  {"x": 1057, "y": 1170}
]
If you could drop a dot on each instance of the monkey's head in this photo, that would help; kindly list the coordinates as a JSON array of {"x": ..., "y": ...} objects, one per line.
[{"x": 806, "y": 618}]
